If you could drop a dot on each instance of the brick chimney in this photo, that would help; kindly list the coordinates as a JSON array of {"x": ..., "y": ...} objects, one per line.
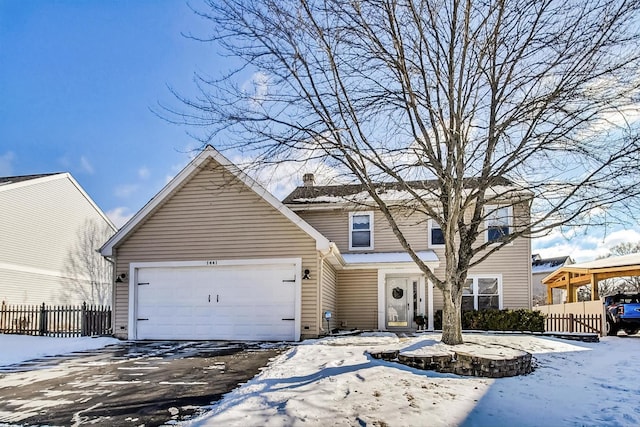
[{"x": 308, "y": 179}]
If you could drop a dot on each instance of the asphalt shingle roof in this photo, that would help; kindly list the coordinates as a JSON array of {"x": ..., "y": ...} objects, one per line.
[
  {"x": 305, "y": 195},
  {"x": 14, "y": 179}
]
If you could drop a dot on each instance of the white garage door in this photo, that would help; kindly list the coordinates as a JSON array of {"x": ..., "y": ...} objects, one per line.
[{"x": 237, "y": 302}]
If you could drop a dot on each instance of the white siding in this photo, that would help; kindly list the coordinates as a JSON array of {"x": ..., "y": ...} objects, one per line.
[{"x": 39, "y": 225}]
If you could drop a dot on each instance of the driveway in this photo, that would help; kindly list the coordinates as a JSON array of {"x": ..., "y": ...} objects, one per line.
[{"x": 128, "y": 384}]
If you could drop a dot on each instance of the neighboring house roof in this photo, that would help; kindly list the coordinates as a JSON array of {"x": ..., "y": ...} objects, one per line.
[
  {"x": 13, "y": 179},
  {"x": 322, "y": 243},
  {"x": 312, "y": 194},
  {"x": 14, "y": 182},
  {"x": 547, "y": 265}
]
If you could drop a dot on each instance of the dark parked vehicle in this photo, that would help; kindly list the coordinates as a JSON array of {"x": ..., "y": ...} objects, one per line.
[{"x": 623, "y": 313}]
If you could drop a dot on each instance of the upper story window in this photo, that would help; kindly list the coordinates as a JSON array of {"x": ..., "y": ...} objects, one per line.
[
  {"x": 498, "y": 222},
  {"x": 482, "y": 292},
  {"x": 360, "y": 230},
  {"x": 436, "y": 237}
]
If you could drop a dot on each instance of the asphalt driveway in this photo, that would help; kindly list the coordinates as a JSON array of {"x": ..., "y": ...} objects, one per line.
[{"x": 128, "y": 384}]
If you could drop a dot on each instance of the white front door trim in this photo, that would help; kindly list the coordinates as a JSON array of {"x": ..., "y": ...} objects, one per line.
[
  {"x": 413, "y": 272},
  {"x": 133, "y": 282}
]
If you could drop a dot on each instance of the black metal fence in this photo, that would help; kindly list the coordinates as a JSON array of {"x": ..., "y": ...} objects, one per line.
[
  {"x": 55, "y": 320},
  {"x": 568, "y": 322}
]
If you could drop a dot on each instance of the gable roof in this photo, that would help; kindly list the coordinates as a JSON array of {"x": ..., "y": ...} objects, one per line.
[
  {"x": 14, "y": 182},
  {"x": 322, "y": 243},
  {"x": 317, "y": 194}
]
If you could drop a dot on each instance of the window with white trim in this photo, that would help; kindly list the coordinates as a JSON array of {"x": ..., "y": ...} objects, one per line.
[
  {"x": 498, "y": 222},
  {"x": 436, "y": 237},
  {"x": 482, "y": 292},
  {"x": 360, "y": 230}
]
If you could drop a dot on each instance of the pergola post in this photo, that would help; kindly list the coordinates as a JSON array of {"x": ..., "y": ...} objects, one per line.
[{"x": 595, "y": 295}]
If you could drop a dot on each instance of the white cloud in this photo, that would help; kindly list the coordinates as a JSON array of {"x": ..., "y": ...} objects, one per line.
[
  {"x": 85, "y": 165},
  {"x": 582, "y": 247},
  {"x": 6, "y": 160},
  {"x": 144, "y": 172},
  {"x": 281, "y": 178},
  {"x": 119, "y": 216},
  {"x": 126, "y": 190},
  {"x": 257, "y": 88}
]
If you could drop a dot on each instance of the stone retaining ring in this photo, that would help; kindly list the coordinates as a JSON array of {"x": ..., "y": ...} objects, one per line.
[{"x": 462, "y": 363}]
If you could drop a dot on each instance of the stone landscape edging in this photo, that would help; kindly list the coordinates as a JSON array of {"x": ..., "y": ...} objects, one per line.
[{"x": 462, "y": 363}]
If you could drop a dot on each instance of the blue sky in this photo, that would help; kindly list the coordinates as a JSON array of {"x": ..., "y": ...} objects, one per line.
[{"x": 78, "y": 79}]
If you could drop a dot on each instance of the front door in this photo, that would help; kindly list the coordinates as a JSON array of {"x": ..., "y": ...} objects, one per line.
[{"x": 399, "y": 299}]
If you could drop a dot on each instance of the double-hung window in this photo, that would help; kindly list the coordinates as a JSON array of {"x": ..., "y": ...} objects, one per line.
[
  {"x": 498, "y": 222},
  {"x": 360, "y": 230},
  {"x": 482, "y": 292},
  {"x": 436, "y": 237}
]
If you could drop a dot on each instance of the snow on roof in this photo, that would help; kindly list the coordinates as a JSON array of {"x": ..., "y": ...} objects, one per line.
[
  {"x": 394, "y": 191},
  {"x": 13, "y": 179},
  {"x": 388, "y": 257},
  {"x": 618, "y": 261},
  {"x": 547, "y": 265}
]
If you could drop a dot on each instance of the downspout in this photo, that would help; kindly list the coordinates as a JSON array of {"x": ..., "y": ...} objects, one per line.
[
  {"x": 320, "y": 277},
  {"x": 112, "y": 260}
]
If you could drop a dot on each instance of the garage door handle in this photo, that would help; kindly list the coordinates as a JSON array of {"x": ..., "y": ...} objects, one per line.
[
  {"x": 289, "y": 318},
  {"x": 143, "y": 319}
]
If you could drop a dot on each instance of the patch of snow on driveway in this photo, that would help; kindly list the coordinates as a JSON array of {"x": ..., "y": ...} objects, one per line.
[{"x": 21, "y": 348}]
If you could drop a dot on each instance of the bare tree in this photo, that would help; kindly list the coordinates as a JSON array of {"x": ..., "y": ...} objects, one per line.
[
  {"x": 498, "y": 102},
  {"x": 621, "y": 284},
  {"x": 89, "y": 274}
]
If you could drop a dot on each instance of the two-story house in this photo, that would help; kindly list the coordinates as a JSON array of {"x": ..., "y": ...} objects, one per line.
[
  {"x": 45, "y": 255},
  {"x": 215, "y": 256}
]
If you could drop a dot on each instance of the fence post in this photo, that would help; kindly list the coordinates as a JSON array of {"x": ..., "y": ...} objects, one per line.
[
  {"x": 3, "y": 316},
  {"x": 83, "y": 325},
  {"x": 571, "y": 320},
  {"x": 42, "y": 330}
]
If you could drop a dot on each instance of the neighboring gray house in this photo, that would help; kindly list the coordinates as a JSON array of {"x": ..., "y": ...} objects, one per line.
[
  {"x": 541, "y": 268},
  {"x": 46, "y": 224},
  {"x": 215, "y": 256}
]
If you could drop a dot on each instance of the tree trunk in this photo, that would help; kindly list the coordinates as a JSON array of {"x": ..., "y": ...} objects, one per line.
[{"x": 451, "y": 318}]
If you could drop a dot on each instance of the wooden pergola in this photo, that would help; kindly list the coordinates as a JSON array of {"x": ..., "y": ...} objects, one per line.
[{"x": 573, "y": 276}]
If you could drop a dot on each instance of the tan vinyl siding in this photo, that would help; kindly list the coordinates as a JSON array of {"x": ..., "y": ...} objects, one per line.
[
  {"x": 40, "y": 223},
  {"x": 334, "y": 225},
  {"x": 215, "y": 216},
  {"x": 358, "y": 299},
  {"x": 513, "y": 262},
  {"x": 329, "y": 295}
]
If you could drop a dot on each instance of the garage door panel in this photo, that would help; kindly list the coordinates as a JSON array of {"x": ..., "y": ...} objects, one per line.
[{"x": 227, "y": 303}]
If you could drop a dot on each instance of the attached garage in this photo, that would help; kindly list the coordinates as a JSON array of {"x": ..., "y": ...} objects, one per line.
[{"x": 215, "y": 300}]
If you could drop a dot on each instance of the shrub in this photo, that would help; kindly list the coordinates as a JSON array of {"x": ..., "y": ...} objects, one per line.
[{"x": 498, "y": 320}]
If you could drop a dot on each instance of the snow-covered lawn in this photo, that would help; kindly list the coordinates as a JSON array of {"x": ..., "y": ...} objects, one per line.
[
  {"x": 20, "y": 348},
  {"x": 332, "y": 382}
]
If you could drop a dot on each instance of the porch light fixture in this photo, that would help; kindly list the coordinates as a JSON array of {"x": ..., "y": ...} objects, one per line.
[
  {"x": 307, "y": 274},
  {"x": 121, "y": 277}
]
